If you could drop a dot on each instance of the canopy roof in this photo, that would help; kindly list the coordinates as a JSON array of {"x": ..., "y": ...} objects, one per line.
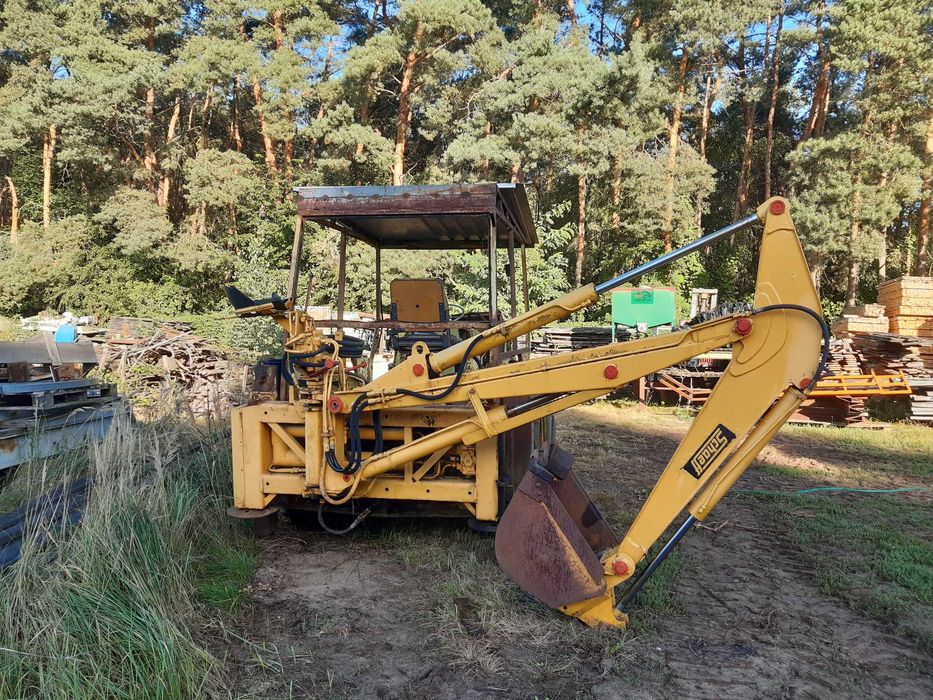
[{"x": 423, "y": 216}]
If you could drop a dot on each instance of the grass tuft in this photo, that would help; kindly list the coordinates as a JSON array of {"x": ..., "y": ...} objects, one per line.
[{"x": 107, "y": 609}]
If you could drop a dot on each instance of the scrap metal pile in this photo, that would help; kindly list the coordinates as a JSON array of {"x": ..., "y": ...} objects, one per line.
[
  {"x": 161, "y": 360},
  {"x": 47, "y": 403}
]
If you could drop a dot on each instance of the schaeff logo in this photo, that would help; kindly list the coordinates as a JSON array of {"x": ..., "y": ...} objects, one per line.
[{"x": 707, "y": 453}]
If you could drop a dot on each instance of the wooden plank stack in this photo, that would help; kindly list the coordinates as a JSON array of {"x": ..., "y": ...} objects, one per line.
[
  {"x": 556, "y": 340},
  {"x": 869, "y": 318},
  {"x": 886, "y": 352},
  {"x": 908, "y": 303},
  {"x": 843, "y": 357},
  {"x": 921, "y": 401}
]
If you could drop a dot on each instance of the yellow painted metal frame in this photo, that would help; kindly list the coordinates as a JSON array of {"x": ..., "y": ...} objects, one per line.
[{"x": 765, "y": 382}]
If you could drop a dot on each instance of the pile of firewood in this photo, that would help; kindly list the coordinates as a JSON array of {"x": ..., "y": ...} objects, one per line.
[{"x": 172, "y": 361}]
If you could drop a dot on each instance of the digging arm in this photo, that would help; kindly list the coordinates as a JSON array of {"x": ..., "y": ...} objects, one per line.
[{"x": 776, "y": 358}]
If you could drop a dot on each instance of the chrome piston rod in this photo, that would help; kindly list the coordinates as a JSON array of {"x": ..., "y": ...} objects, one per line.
[{"x": 668, "y": 258}]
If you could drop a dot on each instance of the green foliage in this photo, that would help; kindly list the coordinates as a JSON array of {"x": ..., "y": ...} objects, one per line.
[{"x": 173, "y": 134}]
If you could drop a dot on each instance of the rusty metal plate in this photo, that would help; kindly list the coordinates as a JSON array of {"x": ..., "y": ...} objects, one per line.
[
  {"x": 584, "y": 513},
  {"x": 540, "y": 548}
]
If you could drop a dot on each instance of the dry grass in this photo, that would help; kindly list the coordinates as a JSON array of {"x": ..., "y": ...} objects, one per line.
[{"x": 109, "y": 609}]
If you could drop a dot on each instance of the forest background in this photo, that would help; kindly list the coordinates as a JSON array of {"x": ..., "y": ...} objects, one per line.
[{"x": 148, "y": 149}]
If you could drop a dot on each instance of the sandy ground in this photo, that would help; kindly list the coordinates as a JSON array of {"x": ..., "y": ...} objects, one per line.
[{"x": 421, "y": 610}]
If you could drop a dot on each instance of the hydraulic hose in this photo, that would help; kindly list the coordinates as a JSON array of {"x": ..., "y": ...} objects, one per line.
[
  {"x": 824, "y": 329},
  {"x": 355, "y": 451}
]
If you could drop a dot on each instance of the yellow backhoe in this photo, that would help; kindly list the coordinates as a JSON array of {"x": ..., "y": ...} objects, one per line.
[{"x": 427, "y": 432}]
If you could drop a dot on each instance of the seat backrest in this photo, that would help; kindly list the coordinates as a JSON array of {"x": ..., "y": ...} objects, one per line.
[{"x": 418, "y": 301}]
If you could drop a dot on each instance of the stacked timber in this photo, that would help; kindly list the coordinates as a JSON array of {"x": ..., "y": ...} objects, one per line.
[
  {"x": 921, "y": 400},
  {"x": 869, "y": 318},
  {"x": 554, "y": 341},
  {"x": 912, "y": 355},
  {"x": 843, "y": 357},
  {"x": 908, "y": 303},
  {"x": 886, "y": 352},
  {"x": 832, "y": 410},
  {"x": 171, "y": 361}
]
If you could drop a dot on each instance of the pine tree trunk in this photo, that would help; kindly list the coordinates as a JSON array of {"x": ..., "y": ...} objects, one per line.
[
  {"x": 581, "y": 227},
  {"x": 668, "y": 230},
  {"x": 631, "y": 28},
  {"x": 922, "y": 267},
  {"x": 616, "y": 194},
  {"x": 165, "y": 190},
  {"x": 14, "y": 211},
  {"x": 403, "y": 123},
  {"x": 235, "y": 134},
  {"x": 487, "y": 132},
  {"x": 820, "y": 102},
  {"x": 748, "y": 124},
  {"x": 49, "y": 139},
  {"x": 709, "y": 97},
  {"x": 772, "y": 108},
  {"x": 206, "y": 118},
  {"x": 325, "y": 74},
  {"x": 368, "y": 88},
  {"x": 855, "y": 227},
  {"x": 572, "y": 13},
  {"x": 267, "y": 143},
  {"x": 150, "y": 161}
]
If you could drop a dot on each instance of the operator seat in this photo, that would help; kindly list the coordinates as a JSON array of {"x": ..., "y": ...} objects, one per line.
[{"x": 418, "y": 301}]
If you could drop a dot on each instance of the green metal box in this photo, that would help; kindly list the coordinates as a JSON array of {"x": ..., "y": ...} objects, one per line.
[{"x": 651, "y": 306}]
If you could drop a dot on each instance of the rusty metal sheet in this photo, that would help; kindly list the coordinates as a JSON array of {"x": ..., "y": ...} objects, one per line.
[
  {"x": 38, "y": 354},
  {"x": 423, "y": 216},
  {"x": 540, "y": 548},
  {"x": 584, "y": 513}
]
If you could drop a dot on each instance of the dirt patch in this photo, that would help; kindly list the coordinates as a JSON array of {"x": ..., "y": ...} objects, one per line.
[{"x": 420, "y": 610}]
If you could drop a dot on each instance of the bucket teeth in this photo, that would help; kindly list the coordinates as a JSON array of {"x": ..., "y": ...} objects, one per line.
[{"x": 546, "y": 537}]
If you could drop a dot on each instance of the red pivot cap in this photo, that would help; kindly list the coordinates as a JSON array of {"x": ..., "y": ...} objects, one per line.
[
  {"x": 743, "y": 326},
  {"x": 805, "y": 382},
  {"x": 335, "y": 404},
  {"x": 776, "y": 207},
  {"x": 417, "y": 369},
  {"x": 611, "y": 372},
  {"x": 620, "y": 567}
]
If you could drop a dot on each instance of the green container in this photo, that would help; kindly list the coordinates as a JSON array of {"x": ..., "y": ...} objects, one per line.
[{"x": 651, "y": 306}]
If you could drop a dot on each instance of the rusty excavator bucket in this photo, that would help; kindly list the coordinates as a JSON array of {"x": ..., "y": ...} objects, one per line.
[{"x": 550, "y": 535}]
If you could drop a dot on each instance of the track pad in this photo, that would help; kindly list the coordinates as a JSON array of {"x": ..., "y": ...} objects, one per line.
[{"x": 541, "y": 549}]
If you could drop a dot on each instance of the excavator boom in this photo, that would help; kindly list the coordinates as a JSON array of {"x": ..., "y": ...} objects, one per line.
[{"x": 551, "y": 540}]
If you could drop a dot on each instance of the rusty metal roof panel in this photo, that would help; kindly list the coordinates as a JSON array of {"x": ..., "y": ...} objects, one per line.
[{"x": 422, "y": 216}]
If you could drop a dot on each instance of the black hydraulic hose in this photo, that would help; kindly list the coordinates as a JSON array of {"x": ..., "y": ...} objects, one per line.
[
  {"x": 355, "y": 451},
  {"x": 334, "y": 531},
  {"x": 824, "y": 356},
  {"x": 461, "y": 368}
]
